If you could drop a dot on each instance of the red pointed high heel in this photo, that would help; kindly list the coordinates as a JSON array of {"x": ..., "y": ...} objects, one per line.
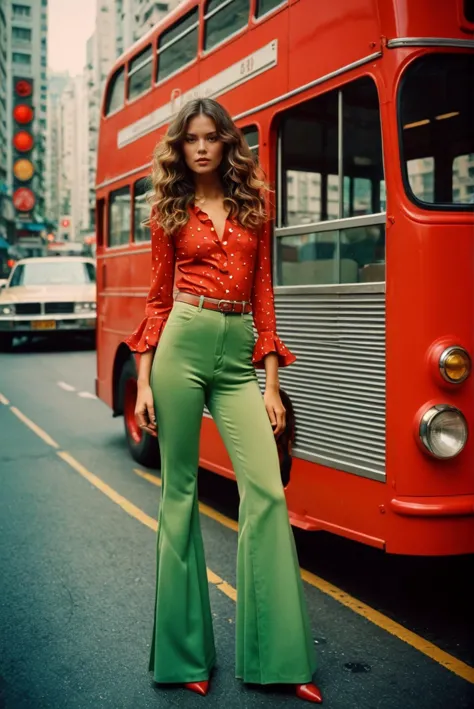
[
  {"x": 309, "y": 692},
  {"x": 201, "y": 688}
]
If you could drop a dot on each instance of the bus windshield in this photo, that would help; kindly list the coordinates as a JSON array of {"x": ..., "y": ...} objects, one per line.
[{"x": 436, "y": 109}]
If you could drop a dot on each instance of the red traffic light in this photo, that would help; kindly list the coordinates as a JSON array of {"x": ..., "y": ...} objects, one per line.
[
  {"x": 23, "y": 114},
  {"x": 23, "y": 199},
  {"x": 23, "y": 88},
  {"x": 23, "y": 141},
  {"x": 65, "y": 222}
]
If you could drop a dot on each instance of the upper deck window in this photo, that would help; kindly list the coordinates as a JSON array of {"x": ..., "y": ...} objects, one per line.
[
  {"x": 115, "y": 96},
  {"x": 437, "y": 139},
  {"x": 264, "y": 6},
  {"x": 177, "y": 45},
  {"x": 223, "y": 19},
  {"x": 139, "y": 73}
]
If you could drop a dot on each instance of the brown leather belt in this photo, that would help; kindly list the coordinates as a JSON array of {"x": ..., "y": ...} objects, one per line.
[{"x": 223, "y": 306}]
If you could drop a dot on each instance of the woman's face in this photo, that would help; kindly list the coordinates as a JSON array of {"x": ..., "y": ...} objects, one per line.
[{"x": 202, "y": 148}]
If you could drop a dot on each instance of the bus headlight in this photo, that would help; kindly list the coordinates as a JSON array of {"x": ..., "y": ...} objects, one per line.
[
  {"x": 443, "y": 431},
  {"x": 455, "y": 364}
]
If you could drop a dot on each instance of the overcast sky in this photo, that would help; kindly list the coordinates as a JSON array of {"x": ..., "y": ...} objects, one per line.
[{"x": 71, "y": 23}]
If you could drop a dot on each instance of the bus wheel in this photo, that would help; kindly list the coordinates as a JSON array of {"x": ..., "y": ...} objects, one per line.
[{"x": 144, "y": 448}]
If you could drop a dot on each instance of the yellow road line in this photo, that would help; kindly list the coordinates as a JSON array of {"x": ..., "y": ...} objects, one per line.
[
  {"x": 4, "y": 400},
  {"x": 379, "y": 619},
  {"x": 125, "y": 504},
  {"x": 39, "y": 431}
]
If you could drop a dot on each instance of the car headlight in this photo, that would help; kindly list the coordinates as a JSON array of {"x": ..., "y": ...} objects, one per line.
[
  {"x": 89, "y": 307},
  {"x": 455, "y": 364},
  {"x": 7, "y": 310},
  {"x": 443, "y": 431}
]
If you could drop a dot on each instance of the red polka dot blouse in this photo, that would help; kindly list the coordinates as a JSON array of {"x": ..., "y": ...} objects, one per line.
[{"x": 235, "y": 267}]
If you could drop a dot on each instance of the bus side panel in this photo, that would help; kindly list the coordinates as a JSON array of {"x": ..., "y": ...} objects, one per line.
[
  {"x": 421, "y": 18},
  {"x": 317, "y": 28}
]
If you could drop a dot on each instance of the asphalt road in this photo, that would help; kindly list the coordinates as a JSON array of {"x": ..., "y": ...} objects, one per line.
[{"x": 77, "y": 563}]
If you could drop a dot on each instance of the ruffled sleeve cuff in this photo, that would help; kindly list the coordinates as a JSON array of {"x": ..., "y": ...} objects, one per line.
[
  {"x": 146, "y": 335},
  {"x": 270, "y": 342}
]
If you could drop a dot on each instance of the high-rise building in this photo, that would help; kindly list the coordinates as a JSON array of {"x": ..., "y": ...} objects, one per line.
[
  {"x": 72, "y": 192},
  {"x": 57, "y": 82},
  {"x": 25, "y": 23},
  {"x": 7, "y": 213}
]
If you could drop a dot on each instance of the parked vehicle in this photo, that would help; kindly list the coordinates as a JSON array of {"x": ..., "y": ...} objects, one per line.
[{"x": 48, "y": 295}]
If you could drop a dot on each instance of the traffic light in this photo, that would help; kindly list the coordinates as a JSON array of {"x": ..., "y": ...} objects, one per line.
[{"x": 24, "y": 198}]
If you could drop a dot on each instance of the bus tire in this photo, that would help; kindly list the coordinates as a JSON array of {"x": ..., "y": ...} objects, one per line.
[{"x": 144, "y": 448}]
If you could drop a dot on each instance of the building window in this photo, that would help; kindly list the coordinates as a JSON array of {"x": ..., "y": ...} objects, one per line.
[
  {"x": 177, "y": 46},
  {"x": 141, "y": 210},
  {"x": 19, "y": 58},
  {"x": 21, "y": 11},
  {"x": 223, "y": 19},
  {"x": 119, "y": 217},
  {"x": 21, "y": 33},
  {"x": 139, "y": 73},
  {"x": 158, "y": 6},
  {"x": 264, "y": 6},
  {"x": 322, "y": 179},
  {"x": 114, "y": 98}
]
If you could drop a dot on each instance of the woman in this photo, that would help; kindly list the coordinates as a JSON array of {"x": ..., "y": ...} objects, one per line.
[{"x": 207, "y": 216}]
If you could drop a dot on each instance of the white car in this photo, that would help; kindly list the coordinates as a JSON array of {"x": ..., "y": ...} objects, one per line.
[{"x": 48, "y": 295}]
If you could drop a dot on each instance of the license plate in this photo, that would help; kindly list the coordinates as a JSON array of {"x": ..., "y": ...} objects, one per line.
[{"x": 43, "y": 325}]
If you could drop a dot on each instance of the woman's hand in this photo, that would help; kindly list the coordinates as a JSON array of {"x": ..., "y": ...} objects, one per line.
[
  {"x": 144, "y": 409},
  {"x": 275, "y": 410}
]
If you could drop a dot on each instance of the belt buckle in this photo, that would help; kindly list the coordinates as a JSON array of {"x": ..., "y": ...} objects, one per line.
[{"x": 225, "y": 306}]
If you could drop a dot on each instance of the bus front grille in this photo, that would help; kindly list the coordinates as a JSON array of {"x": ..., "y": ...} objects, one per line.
[{"x": 337, "y": 384}]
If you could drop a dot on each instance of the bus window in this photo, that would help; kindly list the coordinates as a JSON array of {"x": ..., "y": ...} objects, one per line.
[
  {"x": 178, "y": 45},
  {"x": 119, "y": 217},
  {"x": 141, "y": 209},
  {"x": 139, "y": 73},
  {"x": 251, "y": 136},
  {"x": 223, "y": 19},
  {"x": 315, "y": 191},
  {"x": 437, "y": 139},
  {"x": 115, "y": 95},
  {"x": 264, "y": 6}
]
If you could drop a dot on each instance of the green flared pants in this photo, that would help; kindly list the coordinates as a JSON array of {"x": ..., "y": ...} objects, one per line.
[{"x": 204, "y": 357}]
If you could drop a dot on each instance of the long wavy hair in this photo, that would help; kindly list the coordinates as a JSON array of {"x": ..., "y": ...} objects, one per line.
[{"x": 173, "y": 182}]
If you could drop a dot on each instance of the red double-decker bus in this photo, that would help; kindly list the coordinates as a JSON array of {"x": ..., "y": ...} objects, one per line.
[{"x": 361, "y": 112}]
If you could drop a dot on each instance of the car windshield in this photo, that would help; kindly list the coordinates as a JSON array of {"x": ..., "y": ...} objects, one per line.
[
  {"x": 57, "y": 273},
  {"x": 436, "y": 104}
]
